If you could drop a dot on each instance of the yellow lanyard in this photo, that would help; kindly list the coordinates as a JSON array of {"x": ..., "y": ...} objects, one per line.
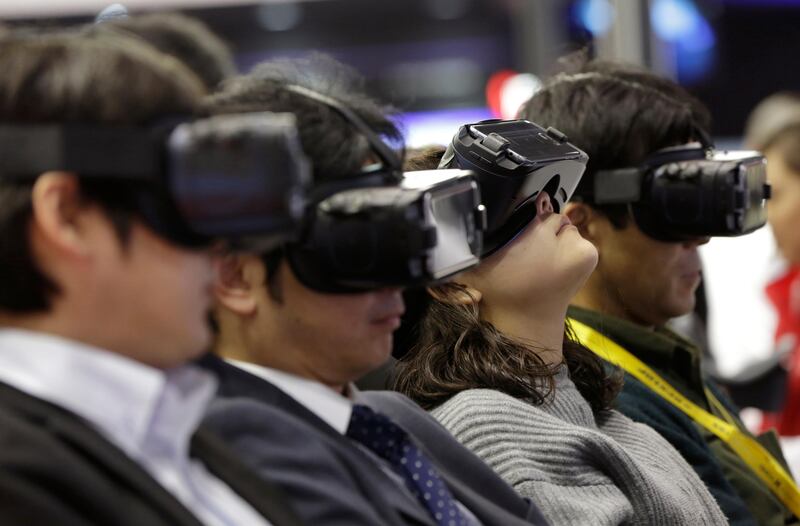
[{"x": 749, "y": 450}]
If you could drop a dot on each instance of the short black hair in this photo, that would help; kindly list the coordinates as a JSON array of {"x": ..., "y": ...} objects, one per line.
[
  {"x": 185, "y": 38},
  {"x": 336, "y": 149},
  {"x": 68, "y": 77},
  {"x": 617, "y": 114}
]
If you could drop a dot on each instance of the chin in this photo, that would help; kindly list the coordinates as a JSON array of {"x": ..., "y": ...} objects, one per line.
[
  {"x": 199, "y": 345},
  {"x": 682, "y": 308},
  {"x": 380, "y": 353},
  {"x": 586, "y": 259}
]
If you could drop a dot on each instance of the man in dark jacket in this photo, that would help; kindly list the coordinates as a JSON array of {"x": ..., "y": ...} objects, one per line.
[
  {"x": 101, "y": 311},
  {"x": 287, "y": 402},
  {"x": 620, "y": 116}
]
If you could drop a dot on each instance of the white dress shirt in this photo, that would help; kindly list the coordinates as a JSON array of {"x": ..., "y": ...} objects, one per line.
[
  {"x": 318, "y": 398},
  {"x": 333, "y": 408},
  {"x": 148, "y": 413}
]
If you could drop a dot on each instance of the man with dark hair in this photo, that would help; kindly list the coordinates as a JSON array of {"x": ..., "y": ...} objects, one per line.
[
  {"x": 287, "y": 403},
  {"x": 620, "y": 116},
  {"x": 100, "y": 312}
]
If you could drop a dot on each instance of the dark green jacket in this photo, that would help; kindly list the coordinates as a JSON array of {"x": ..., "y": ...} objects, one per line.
[{"x": 736, "y": 488}]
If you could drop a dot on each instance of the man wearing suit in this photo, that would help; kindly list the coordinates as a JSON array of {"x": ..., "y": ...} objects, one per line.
[
  {"x": 287, "y": 403},
  {"x": 100, "y": 312}
]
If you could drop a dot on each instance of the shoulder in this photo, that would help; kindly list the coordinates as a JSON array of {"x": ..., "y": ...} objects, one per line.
[
  {"x": 56, "y": 469},
  {"x": 642, "y": 404},
  {"x": 321, "y": 472},
  {"x": 31, "y": 424},
  {"x": 229, "y": 415},
  {"x": 477, "y": 405},
  {"x": 405, "y": 412},
  {"x": 435, "y": 434},
  {"x": 478, "y": 399},
  {"x": 249, "y": 423}
]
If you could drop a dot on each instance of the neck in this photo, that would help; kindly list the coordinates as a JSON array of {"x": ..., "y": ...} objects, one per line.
[
  {"x": 597, "y": 295},
  {"x": 541, "y": 327},
  {"x": 235, "y": 343},
  {"x": 64, "y": 323}
]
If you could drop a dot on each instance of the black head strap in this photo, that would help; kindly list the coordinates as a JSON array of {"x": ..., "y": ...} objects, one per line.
[
  {"x": 388, "y": 157},
  {"x": 89, "y": 150}
]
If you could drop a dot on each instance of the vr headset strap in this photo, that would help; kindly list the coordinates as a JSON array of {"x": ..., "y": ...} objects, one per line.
[
  {"x": 387, "y": 155},
  {"x": 617, "y": 186},
  {"x": 107, "y": 151}
]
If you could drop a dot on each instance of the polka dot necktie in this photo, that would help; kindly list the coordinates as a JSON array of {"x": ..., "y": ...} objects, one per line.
[{"x": 390, "y": 442}]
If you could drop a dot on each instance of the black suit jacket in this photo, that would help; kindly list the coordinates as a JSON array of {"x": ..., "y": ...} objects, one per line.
[
  {"x": 55, "y": 469},
  {"x": 331, "y": 480}
]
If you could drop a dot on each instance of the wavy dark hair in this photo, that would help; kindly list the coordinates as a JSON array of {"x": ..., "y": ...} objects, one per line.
[{"x": 457, "y": 350}]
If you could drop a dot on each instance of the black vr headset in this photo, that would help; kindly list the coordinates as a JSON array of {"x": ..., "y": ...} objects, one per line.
[
  {"x": 690, "y": 191},
  {"x": 240, "y": 178},
  {"x": 384, "y": 228},
  {"x": 515, "y": 161}
]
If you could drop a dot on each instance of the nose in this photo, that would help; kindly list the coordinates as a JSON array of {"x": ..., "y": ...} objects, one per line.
[
  {"x": 544, "y": 207},
  {"x": 391, "y": 292}
]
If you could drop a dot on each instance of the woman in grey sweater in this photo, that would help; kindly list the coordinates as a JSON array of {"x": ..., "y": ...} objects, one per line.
[
  {"x": 491, "y": 366},
  {"x": 494, "y": 365}
]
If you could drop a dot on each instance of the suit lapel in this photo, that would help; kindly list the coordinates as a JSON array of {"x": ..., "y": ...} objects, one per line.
[
  {"x": 75, "y": 432},
  {"x": 266, "y": 498},
  {"x": 235, "y": 382},
  {"x": 470, "y": 498},
  {"x": 469, "y": 482}
]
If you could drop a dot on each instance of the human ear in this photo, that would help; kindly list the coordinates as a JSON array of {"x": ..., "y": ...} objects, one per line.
[
  {"x": 56, "y": 204},
  {"x": 456, "y": 294},
  {"x": 237, "y": 282},
  {"x": 584, "y": 217}
]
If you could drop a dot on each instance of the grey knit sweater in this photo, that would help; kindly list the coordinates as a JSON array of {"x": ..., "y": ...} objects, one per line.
[{"x": 578, "y": 469}]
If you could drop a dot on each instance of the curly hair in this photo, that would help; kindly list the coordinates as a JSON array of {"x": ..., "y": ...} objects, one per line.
[{"x": 457, "y": 350}]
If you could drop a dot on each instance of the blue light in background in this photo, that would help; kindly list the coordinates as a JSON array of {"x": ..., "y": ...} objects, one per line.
[
  {"x": 673, "y": 20},
  {"x": 763, "y": 3},
  {"x": 597, "y": 16},
  {"x": 680, "y": 23},
  {"x": 423, "y": 128}
]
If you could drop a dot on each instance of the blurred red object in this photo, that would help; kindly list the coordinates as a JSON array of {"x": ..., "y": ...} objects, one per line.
[{"x": 784, "y": 293}]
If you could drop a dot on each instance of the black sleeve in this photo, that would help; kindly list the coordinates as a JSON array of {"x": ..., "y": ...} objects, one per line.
[{"x": 643, "y": 405}]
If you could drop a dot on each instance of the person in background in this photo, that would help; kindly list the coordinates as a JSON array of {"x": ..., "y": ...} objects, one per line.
[
  {"x": 774, "y": 128},
  {"x": 101, "y": 314},
  {"x": 287, "y": 402},
  {"x": 640, "y": 282}
]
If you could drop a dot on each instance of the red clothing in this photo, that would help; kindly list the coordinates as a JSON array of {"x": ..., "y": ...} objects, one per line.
[{"x": 784, "y": 293}]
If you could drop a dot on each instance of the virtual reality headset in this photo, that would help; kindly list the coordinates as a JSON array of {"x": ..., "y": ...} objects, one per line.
[
  {"x": 514, "y": 162},
  {"x": 385, "y": 228},
  {"x": 690, "y": 191},
  {"x": 239, "y": 178},
  {"x": 426, "y": 228}
]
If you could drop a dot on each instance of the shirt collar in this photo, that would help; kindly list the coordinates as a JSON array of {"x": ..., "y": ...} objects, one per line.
[
  {"x": 132, "y": 404},
  {"x": 332, "y": 407}
]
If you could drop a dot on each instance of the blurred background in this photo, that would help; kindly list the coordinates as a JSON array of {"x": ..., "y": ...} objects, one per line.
[
  {"x": 465, "y": 58},
  {"x": 447, "y": 62}
]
